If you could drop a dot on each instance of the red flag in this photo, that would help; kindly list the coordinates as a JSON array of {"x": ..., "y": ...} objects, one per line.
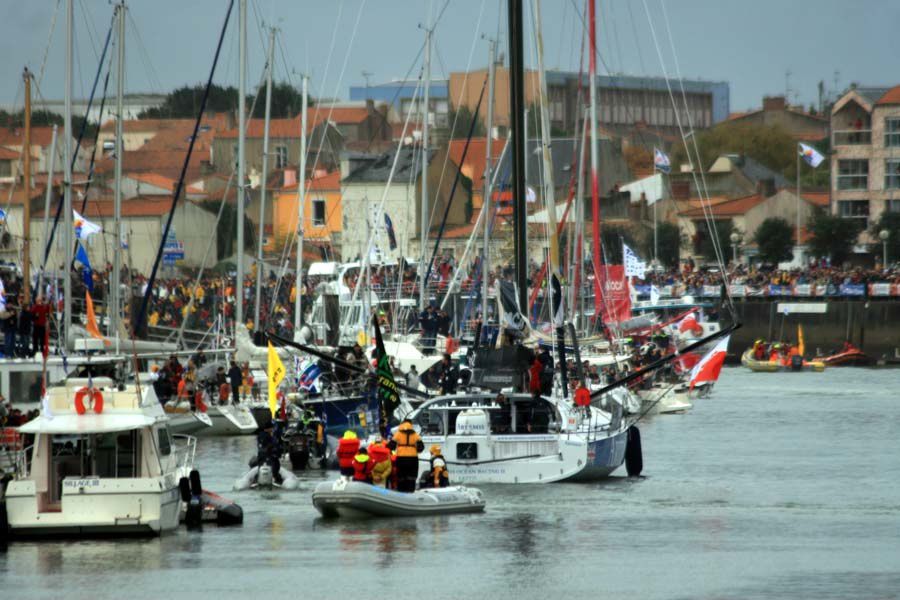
[
  {"x": 615, "y": 298},
  {"x": 709, "y": 368}
]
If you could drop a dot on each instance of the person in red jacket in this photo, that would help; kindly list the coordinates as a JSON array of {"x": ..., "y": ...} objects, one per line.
[
  {"x": 348, "y": 446},
  {"x": 362, "y": 467},
  {"x": 534, "y": 377},
  {"x": 582, "y": 396}
]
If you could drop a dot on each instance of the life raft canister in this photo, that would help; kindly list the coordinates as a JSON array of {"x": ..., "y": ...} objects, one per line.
[{"x": 96, "y": 399}]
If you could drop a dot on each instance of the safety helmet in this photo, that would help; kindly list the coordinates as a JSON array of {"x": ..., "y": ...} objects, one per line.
[{"x": 349, "y": 435}]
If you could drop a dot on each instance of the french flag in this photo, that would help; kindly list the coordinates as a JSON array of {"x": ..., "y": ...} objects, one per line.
[{"x": 709, "y": 367}]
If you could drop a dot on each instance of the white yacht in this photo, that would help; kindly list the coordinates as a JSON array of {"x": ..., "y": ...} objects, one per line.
[
  {"x": 102, "y": 462},
  {"x": 521, "y": 439}
]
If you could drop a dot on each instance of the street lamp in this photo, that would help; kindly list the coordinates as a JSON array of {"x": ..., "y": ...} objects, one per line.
[
  {"x": 884, "y": 234},
  {"x": 735, "y": 240}
]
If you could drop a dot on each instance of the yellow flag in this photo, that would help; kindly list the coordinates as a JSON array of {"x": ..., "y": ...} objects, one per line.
[
  {"x": 276, "y": 374},
  {"x": 800, "y": 345},
  {"x": 91, "y": 327}
]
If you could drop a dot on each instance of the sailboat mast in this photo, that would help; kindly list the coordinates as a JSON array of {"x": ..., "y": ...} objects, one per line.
[
  {"x": 242, "y": 99},
  {"x": 26, "y": 185},
  {"x": 595, "y": 185},
  {"x": 488, "y": 187},
  {"x": 67, "y": 177},
  {"x": 265, "y": 175},
  {"x": 115, "y": 284},
  {"x": 517, "y": 122},
  {"x": 549, "y": 186},
  {"x": 425, "y": 220},
  {"x": 301, "y": 209}
]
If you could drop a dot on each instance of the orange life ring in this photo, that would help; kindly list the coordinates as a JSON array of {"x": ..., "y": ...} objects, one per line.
[{"x": 96, "y": 400}]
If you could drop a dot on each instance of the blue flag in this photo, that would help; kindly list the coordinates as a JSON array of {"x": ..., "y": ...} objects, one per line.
[{"x": 86, "y": 272}]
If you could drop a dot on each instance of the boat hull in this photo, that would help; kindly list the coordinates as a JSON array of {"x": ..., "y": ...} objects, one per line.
[
  {"x": 188, "y": 423},
  {"x": 772, "y": 366},
  {"x": 107, "y": 507},
  {"x": 351, "y": 499},
  {"x": 230, "y": 420}
]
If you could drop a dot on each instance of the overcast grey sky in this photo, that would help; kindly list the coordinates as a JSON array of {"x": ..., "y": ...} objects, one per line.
[{"x": 749, "y": 43}]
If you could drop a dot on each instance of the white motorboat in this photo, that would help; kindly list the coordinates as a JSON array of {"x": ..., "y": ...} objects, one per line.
[
  {"x": 521, "y": 440},
  {"x": 103, "y": 462},
  {"x": 354, "y": 499},
  {"x": 230, "y": 419},
  {"x": 664, "y": 399}
]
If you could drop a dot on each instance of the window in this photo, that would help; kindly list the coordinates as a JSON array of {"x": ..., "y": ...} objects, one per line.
[
  {"x": 318, "y": 213},
  {"x": 892, "y": 132},
  {"x": 281, "y": 155},
  {"x": 5, "y": 168},
  {"x": 234, "y": 155},
  {"x": 892, "y": 206},
  {"x": 892, "y": 174},
  {"x": 165, "y": 444},
  {"x": 854, "y": 209},
  {"x": 853, "y": 175}
]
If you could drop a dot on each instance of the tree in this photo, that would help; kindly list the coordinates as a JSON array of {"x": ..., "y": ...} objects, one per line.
[
  {"x": 774, "y": 237},
  {"x": 832, "y": 236},
  {"x": 669, "y": 242},
  {"x": 226, "y": 238},
  {"x": 287, "y": 101},
  {"x": 44, "y": 118},
  {"x": 703, "y": 239},
  {"x": 184, "y": 102},
  {"x": 461, "y": 121},
  {"x": 891, "y": 222}
]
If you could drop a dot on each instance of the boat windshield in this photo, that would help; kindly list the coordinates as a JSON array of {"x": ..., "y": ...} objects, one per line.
[{"x": 106, "y": 455}]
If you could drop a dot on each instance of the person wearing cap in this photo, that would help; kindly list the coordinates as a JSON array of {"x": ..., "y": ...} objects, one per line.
[
  {"x": 408, "y": 444},
  {"x": 362, "y": 466},
  {"x": 348, "y": 446},
  {"x": 438, "y": 476},
  {"x": 380, "y": 455}
]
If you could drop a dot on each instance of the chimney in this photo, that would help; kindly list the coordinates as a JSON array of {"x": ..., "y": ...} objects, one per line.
[{"x": 773, "y": 103}]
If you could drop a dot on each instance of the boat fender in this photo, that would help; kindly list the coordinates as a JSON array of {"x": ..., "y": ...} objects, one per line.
[
  {"x": 193, "y": 517},
  {"x": 96, "y": 398},
  {"x": 289, "y": 480},
  {"x": 196, "y": 488},
  {"x": 245, "y": 482},
  {"x": 796, "y": 363},
  {"x": 184, "y": 485},
  {"x": 634, "y": 457}
]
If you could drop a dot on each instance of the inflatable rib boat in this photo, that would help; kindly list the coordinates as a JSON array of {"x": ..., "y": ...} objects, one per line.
[{"x": 354, "y": 499}]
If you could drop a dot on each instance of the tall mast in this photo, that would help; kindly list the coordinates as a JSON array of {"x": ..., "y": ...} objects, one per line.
[
  {"x": 549, "y": 187},
  {"x": 595, "y": 185},
  {"x": 425, "y": 220},
  {"x": 48, "y": 196},
  {"x": 67, "y": 177},
  {"x": 301, "y": 209},
  {"x": 115, "y": 285},
  {"x": 26, "y": 184},
  {"x": 517, "y": 122},
  {"x": 488, "y": 166},
  {"x": 242, "y": 126},
  {"x": 265, "y": 174}
]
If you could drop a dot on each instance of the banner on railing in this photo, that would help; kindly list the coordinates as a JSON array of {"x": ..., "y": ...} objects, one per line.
[
  {"x": 881, "y": 289},
  {"x": 738, "y": 291},
  {"x": 853, "y": 289},
  {"x": 711, "y": 291},
  {"x": 779, "y": 290},
  {"x": 804, "y": 289}
]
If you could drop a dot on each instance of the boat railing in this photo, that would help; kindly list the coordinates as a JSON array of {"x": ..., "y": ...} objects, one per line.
[
  {"x": 22, "y": 462},
  {"x": 185, "y": 451}
]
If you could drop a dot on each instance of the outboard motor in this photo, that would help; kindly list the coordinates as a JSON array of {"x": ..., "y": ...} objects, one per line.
[
  {"x": 796, "y": 363},
  {"x": 265, "y": 478}
]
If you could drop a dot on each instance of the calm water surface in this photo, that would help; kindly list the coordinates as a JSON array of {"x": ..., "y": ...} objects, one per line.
[{"x": 778, "y": 486}]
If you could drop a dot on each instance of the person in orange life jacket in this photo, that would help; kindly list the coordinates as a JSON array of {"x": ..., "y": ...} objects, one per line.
[
  {"x": 380, "y": 455},
  {"x": 362, "y": 466},
  {"x": 408, "y": 445},
  {"x": 348, "y": 446},
  {"x": 438, "y": 476}
]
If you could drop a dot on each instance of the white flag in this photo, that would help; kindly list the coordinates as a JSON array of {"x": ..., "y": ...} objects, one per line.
[
  {"x": 661, "y": 161},
  {"x": 811, "y": 155},
  {"x": 634, "y": 266},
  {"x": 84, "y": 228}
]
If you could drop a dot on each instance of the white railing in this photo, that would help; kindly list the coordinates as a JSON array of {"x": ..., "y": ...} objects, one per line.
[{"x": 184, "y": 451}]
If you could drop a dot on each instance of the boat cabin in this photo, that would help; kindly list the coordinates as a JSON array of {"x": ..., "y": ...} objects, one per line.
[{"x": 486, "y": 414}]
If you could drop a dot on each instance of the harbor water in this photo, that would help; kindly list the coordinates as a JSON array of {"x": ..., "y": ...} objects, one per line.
[{"x": 778, "y": 486}]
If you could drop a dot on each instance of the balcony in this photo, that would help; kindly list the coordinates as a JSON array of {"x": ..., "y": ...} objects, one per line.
[{"x": 852, "y": 137}]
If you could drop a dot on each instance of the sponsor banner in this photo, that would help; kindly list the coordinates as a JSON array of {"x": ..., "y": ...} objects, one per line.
[
  {"x": 804, "y": 289},
  {"x": 711, "y": 291},
  {"x": 779, "y": 290},
  {"x": 821, "y": 290},
  {"x": 881, "y": 289},
  {"x": 853, "y": 289},
  {"x": 738, "y": 291},
  {"x": 615, "y": 302}
]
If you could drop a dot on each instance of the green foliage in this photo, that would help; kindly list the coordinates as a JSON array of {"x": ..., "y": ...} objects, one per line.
[
  {"x": 226, "y": 232},
  {"x": 184, "y": 102},
  {"x": 43, "y": 118},
  {"x": 611, "y": 237},
  {"x": 769, "y": 145},
  {"x": 703, "y": 240},
  {"x": 287, "y": 101},
  {"x": 891, "y": 222},
  {"x": 774, "y": 237},
  {"x": 832, "y": 236},
  {"x": 669, "y": 242},
  {"x": 460, "y": 122}
]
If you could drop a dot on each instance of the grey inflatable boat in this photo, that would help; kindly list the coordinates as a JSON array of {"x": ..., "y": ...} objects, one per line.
[{"x": 356, "y": 500}]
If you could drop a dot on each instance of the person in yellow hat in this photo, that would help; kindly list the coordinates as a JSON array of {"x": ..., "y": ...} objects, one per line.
[
  {"x": 439, "y": 476},
  {"x": 348, "y": 446}
]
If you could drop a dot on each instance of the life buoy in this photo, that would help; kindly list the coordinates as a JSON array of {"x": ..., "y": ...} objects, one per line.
[{"x": 96, "y": 399}]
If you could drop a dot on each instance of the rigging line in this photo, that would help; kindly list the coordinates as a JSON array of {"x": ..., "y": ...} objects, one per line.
[
  {"x": 459, "y": 99},
  {"x": 89, "y": 27},
  {"x": 697, "y": 152},
  {"x": 152, "y": 74},
  {"x": 40, "y": 73},
  {"x": 144, "y": 302}
]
